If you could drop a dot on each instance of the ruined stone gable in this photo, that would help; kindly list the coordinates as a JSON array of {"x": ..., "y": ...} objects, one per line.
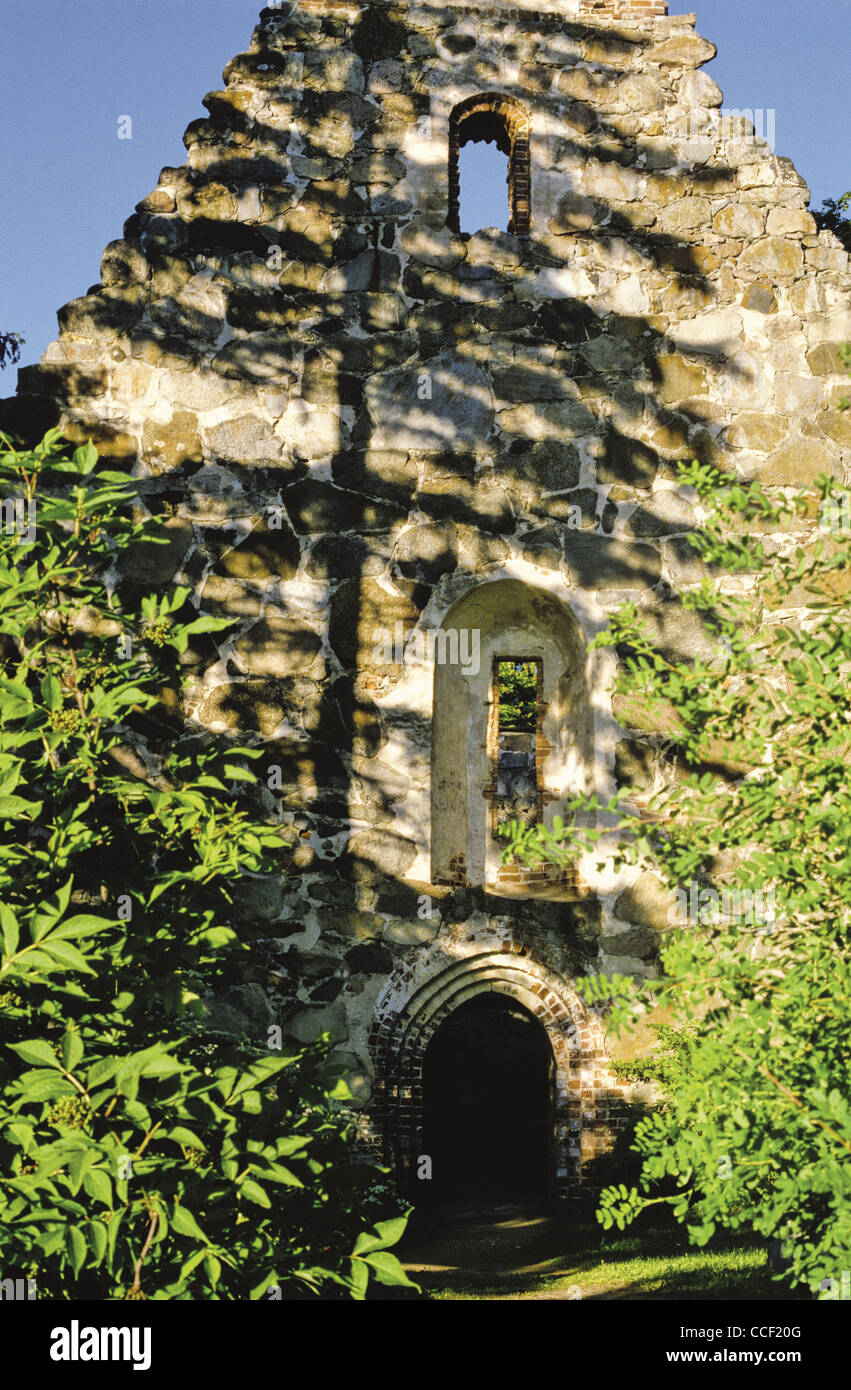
[{"x": 373, "y": 435}]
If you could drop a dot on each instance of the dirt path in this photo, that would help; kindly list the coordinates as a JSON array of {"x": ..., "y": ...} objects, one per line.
[
  {"x": 515, "y": 1253},
  {"x": 507, "y": 1254}
]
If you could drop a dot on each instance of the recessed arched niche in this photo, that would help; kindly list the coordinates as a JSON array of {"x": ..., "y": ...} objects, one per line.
[{"x": 486, "y": 768}]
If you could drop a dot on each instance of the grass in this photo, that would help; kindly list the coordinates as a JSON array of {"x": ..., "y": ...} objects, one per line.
[{"x": 540, "y": 1257}]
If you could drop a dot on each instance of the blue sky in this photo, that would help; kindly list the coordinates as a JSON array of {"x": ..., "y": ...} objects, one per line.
[{"x": 73, "y": 67}]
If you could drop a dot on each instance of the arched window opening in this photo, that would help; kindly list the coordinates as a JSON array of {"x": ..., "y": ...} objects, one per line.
[
  {"x": 512, "y": 739},
  {"x": 516, "y": 791},
  {"x": 490, "y": 121},
  {"x": 483, "y": 183}
]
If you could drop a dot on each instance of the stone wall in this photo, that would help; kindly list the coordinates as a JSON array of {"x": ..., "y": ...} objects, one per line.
[{"x": 358, "y": 422}]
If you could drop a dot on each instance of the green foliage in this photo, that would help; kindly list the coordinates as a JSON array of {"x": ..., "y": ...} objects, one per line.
[
  {"x": 10, "y": 349},
  {"x": 518, "y": 695},
  {"x": 668, "y": 1066},
  {"x": 832, "y": 216},
  {"x": 141, "y": 1154},
  {"x": 756, "y": 1129}
]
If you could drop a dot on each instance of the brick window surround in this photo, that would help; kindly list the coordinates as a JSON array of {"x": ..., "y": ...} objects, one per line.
[{"x": 493, "y": 117}]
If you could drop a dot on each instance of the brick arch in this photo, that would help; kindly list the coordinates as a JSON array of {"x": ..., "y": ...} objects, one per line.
[
  {"x": 505, "y": 121},
  {"x": 414, "y": 1003}
]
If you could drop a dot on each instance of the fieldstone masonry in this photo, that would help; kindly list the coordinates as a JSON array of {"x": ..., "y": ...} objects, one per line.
[{"x": 357, "y": 420}]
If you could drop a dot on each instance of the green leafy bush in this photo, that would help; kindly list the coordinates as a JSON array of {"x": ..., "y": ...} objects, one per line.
[
  {"x": 142, "y": 1154},
  {"x": 833, "y": 217},
  {"x": 756, "y": 1129}
]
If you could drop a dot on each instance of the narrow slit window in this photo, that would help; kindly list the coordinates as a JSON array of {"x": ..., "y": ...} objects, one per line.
[
  {"x": 483, "y": 198},
  {"x": 518, "y": 684},
  {"x": 492, "y": 134}
]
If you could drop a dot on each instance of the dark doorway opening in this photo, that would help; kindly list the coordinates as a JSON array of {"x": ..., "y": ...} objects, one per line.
[{"x": 488, "y": 1078}]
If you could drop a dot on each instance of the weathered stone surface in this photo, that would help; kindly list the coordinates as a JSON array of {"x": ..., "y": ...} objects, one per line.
[
  {"x": 112, "y": 444},
  {"x": 260, "y": 357},
  {"x": 314, "y": 506},
  {"x": 795, "y": 393},
  {"x": 434, "y": 246},
  {"x": 337, "y": 557},
  {"x": 647, "y": 903},
  {"x": 123, "y": 264},
  {"x": 384, "y": 850},
  {"x": 678, "y": 632},
  {"x": 639, "y": 941},
  {"x": 352, "y": 276},
  {"x": 244, "y": 440},
  {"x": 760, "y": 432},
  {"x": 582, "y": 84},
  {"x": 280, "y": 647},
  {"x": 698, "y": 89},
  {"x": 790, "y": 222},
  {"x": 685, "y": 216},
  {"x": 596, "y": 562},
  {"x": 370, "y": 431},
  {"x": 625, "y": 460},
  {"x": 444, "y": 404},
  {"x": 547, "y": 420},
  {"x": 836, "y": 424},
  {"x": 228, "y": 598},
  {"x": 665, "y": 514},
  {"x": 359, "y": 608},
  {"x": 612, "y": 183},
  {"x": 760, "y": 298},
  {"x": 493, "y": 249},
  {"x": 774, "y": 257},
  {"x": 825, "y": 360},
  {"x": 634, "y": 765},
  {"x": 154, "y": 563},
  {"x": 268, "y": 553},
  {"x": 684, "y": 50},
  {"x": 718, "y": 332},
  {"x": 797, "y": 463},
  {"x": 575, "y": 213},
  {"x": 172, "y": 444},
  {"x": 308, "y": 1025},
  {"x": 548, "y": 466},
  {"x": 679, "y": 379},
  {"x": 369, "y": 959},
  {"x": 526, "y": 380},
  {"x": 243, "y": 705},
  {"x": 640, "y": 92},
  {"x": 426, "y": 551},
  {"x": 241, "y": 1012},
  {"x": 412, "y": 933},
  {"x": 739, "y": 220},
  {"x": 386, "y": 473}
]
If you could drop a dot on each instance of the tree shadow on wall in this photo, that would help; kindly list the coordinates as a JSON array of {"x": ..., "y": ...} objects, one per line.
[{"x": 290, "y": 306}]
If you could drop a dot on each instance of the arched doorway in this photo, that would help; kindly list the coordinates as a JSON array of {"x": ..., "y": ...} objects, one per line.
[
  {"x": 489, "y": 1105},
  {"x": 418, "y": 998}
]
